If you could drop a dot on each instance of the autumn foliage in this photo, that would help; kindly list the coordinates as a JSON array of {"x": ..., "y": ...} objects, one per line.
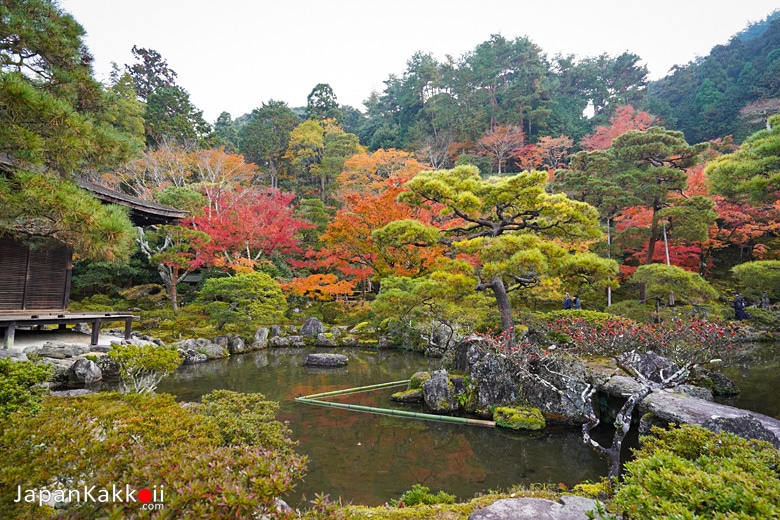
[
  {"x": 352, "y": 246},
  {"x": 625, "y": 118},
  {"x": 247, "y": 225}
]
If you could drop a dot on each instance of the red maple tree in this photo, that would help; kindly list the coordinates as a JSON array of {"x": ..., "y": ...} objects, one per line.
[{"x": 247, "y": 225}]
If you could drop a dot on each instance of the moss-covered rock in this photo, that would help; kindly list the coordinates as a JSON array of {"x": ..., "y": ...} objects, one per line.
[
  {"x": 439, "y": 393},
  {"x": 519, "y": 418},
  {"x": 408, "y": 396},
  {"x": 418, "y": 379},
  {"x": 469, "y": 401},
  {"x": 722, "y": 386},
  {"x": 362, "y": 328}
]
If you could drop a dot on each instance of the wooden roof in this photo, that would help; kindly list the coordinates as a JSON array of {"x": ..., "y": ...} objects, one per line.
[{"x": 142, "y": 212}]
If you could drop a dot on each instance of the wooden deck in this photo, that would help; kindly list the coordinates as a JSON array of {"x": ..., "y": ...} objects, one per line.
[{"x": 33, "y": 319}]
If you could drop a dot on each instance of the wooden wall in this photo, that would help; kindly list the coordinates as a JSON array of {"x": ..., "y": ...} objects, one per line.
[{"x": 35, "y": 278}]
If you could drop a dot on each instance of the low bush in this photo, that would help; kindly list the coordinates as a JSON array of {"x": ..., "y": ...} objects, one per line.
[
  {"x": 169, "y": 326},
  {"x": 640, "y": 312},
  {"x": 198, "y": 465},
  {"x": 420, "y": 494},
  {"x": 142, "y": 367},
  {"x": 592, "y": 317},
  {"x": 97, "y": 303},
  {"x": 17, "y": 385},
  {"x": 763, "y": 318},
  {"x": 683, "y": 340},
  {"x": 244, "y": 302},
  {"x": 690, "y": 472}
]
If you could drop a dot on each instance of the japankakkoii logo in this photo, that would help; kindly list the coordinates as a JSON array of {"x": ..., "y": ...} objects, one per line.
[{"x": 149, "y": 498}]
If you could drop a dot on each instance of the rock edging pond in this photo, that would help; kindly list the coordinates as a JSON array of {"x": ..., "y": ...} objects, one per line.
[{"x": 485, "y": 384}]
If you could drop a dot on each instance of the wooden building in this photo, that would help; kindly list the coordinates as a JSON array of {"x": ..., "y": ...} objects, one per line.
[{"x": 35, "y": 281}]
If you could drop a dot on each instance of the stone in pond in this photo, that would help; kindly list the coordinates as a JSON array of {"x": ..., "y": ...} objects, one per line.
[{"x": 326, "y": 360}]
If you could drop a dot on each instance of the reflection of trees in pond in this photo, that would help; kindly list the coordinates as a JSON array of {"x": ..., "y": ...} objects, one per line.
[
  {"x": 387, "y": 455},
  {"x": 758, "y": 376}
]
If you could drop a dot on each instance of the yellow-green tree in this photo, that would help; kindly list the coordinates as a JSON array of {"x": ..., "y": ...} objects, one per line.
[
  {"x": 517, "y": 235},
  {"x": 318, "y": 150}
]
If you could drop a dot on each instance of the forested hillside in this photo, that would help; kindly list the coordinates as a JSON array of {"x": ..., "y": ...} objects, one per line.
[{"x": 729, "y": 92}]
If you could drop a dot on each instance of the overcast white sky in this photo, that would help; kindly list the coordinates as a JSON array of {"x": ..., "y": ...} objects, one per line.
[{"x": 233, "y": 55}]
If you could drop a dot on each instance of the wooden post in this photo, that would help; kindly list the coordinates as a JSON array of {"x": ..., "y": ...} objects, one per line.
[
  {"x": 128, "y": 327},
  {"x": 95, "y": 331},
  {"x": 8, "y": 339}
]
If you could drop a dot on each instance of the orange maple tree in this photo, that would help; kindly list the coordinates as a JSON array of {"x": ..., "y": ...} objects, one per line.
[
  {"x": 350, "y": 241},
  {"x": 369, "y": 172},
  {"x": 322, "y": 287},
  {"x": 549, "y": 153},
  {"x": 352, "y": 250},
  {"x": 624, "y": 119}
]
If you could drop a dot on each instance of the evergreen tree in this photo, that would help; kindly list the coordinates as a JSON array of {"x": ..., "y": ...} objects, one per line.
[{"x": 55, "y": 123}]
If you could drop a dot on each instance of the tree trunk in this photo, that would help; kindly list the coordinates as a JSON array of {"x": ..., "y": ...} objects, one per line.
[
  {"x": 504, "y": 308},
  {"x": 174, "y": 291},
  {"x": 653, "y": 236},
  {"x": 622, "y": 426}
]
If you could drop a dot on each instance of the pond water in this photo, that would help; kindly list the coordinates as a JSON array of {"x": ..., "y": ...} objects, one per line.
[
  {"x": 757, "y": 375},
  {"x": 370, "y": 459}
]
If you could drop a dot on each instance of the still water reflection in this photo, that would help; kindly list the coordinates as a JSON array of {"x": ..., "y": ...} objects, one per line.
[
  {"x": 370, "y": 459},
  {"x": 757, "y": 374}
]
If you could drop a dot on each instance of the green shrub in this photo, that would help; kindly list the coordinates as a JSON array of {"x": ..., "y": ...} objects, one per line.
[
  {"x": 641, "y": 312},
  {"x": 142, "y": 367},
  {"x": 759, "y": 276},
  {"x": 345, "y": 312},
  {"x": 147, "y": 296},
  {"x": 592, "y": 317},
  {"x": 420, "y": 494},
  {"x": 246, "y": 419},
  {"x": 145, "y": 441},
  {"x": 170, "y": 326},
  {"x": 662, "y": 279},
  {"x": 242, "y": 303},
  {"x": 762, "y": 318},
  {"x": 17, "y": 390},
  {"x": 690, "y": 472},
  {"x": 95, "y": 303}
]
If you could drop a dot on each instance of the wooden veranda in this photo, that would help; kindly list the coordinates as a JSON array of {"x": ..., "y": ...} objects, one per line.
[{"x": 10, "y": 322}]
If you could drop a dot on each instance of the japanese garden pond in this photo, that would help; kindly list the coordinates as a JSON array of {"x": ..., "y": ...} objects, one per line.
[{"x": 370, "y": 459}]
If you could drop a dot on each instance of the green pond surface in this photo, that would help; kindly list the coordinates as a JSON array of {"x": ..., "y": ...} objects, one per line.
[
  {"x": 370, "y": 459},
  {"x": 757, "y": 375}
]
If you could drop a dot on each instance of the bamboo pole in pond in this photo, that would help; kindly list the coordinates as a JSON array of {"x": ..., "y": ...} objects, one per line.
[
  {"x": 313, "y": 399},
  {"x": 354, "y": 390}
]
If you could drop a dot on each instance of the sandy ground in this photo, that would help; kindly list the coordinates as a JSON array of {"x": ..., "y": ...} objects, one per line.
[{"x": 26, "y": 338}]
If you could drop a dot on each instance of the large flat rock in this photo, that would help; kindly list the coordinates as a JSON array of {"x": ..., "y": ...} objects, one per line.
[
  {"x": 675, "y": 407},
  {"x": 682, "y": 409},
  {"x": 326, "y": 360},
  {"x": 567, "y": 508}
]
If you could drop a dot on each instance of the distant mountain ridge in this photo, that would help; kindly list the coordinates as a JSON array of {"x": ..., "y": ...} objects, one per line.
[{"x": 729, "y": 92}]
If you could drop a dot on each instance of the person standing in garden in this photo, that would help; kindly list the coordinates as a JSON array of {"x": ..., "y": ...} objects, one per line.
[
  {"x": 739, "y": 304},
  {"x": 576, "y": 304},
  {"x": 567, "y": 302}
]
